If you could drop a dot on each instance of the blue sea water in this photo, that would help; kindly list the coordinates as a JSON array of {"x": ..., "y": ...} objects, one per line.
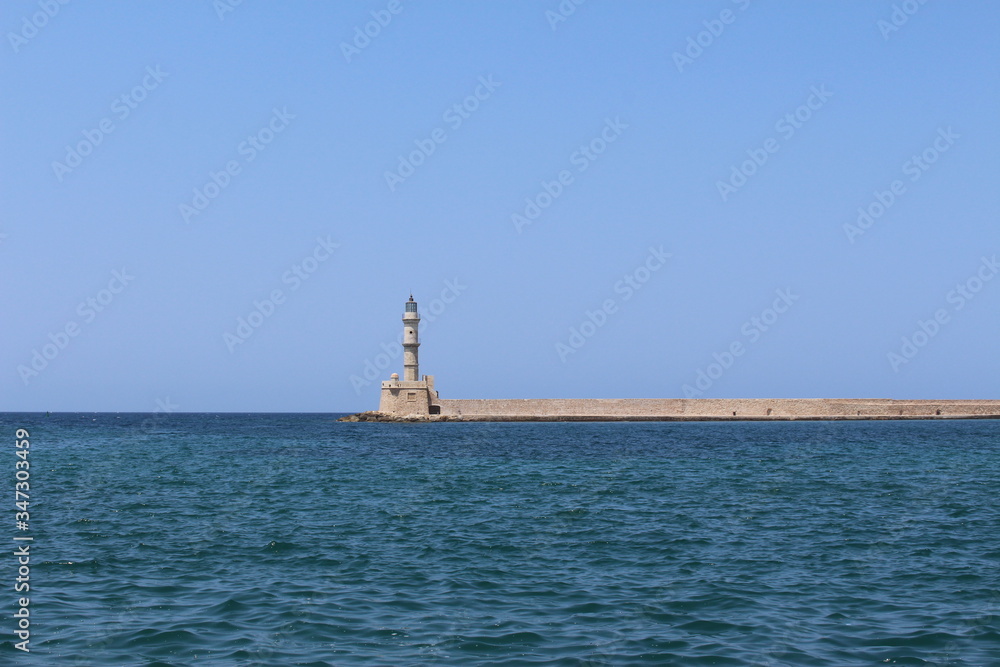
[{"x": 255, "y": 539}]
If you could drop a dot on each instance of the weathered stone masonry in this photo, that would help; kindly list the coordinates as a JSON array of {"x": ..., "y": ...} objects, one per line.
[
  {"x": 416, "y": 398},
  {"x": 666, "y": 409}
]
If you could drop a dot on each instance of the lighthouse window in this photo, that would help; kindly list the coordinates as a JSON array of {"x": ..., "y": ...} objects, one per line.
[{"x": 411, "y": 306}]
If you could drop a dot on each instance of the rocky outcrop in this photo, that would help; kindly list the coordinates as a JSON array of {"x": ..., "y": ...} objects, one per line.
[{"x": 375, "y": 416}]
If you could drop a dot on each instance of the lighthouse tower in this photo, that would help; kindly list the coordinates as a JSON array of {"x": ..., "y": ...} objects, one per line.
[
  {"x": 413, "y": 396},
  {"x": 411, "y": 341}
]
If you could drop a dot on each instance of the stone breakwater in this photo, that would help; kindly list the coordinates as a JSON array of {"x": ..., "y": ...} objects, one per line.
[{"x": 695, "y": 409}]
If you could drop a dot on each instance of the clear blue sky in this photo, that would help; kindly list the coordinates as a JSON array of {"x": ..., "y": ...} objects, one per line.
[{"x": 830, "y": 103}]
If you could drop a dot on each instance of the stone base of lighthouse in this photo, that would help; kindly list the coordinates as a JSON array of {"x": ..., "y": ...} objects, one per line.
[{"x": 414, "y": 398}]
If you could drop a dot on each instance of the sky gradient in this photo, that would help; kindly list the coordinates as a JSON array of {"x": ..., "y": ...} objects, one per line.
[{"x": 224, "y": 206}]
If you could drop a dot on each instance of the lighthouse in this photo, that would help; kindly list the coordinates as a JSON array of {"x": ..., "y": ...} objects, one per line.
[
  {"x": 413, "y": 396},
  {"x": 411, "y": 341}
]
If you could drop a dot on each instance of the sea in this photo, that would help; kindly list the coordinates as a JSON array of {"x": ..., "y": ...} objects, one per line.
[{"x": 295, "y": 539}]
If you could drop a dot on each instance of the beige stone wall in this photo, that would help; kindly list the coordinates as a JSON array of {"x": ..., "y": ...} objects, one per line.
[
  {"x": 668, "y": 408},
  {"x": 404, "y": 399}
]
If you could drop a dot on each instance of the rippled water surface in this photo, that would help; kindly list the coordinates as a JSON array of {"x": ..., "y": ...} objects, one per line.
[{"x": 298, "y": 540}]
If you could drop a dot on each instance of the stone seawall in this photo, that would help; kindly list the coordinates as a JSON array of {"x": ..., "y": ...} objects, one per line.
[{"x": 667, "y": 409}]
